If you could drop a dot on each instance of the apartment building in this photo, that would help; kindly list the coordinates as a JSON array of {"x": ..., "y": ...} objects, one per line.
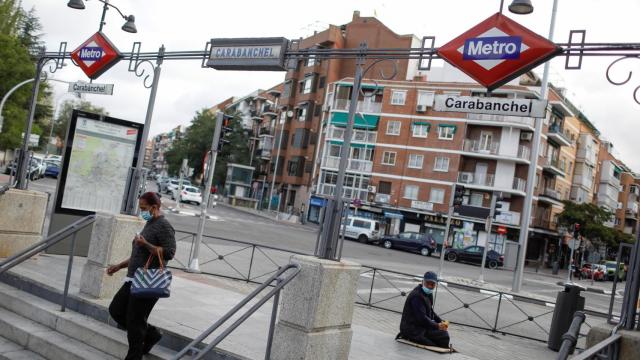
[
  {"x": 148, "y": 155},
  {"x": 161, "y": 144},
  {"x": 303, "y": 95},
  {"x": 629, "y": 200}
]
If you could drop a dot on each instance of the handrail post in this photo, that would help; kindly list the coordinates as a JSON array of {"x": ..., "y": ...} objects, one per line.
[
  {"x": 570, "y": 338},
  {"x": 253, "y": 250},
  {"x": 69, "y": 266},
  {"x": 272, "y": 324}
]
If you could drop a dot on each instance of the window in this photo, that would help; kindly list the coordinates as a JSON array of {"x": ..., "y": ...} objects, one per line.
[
  {"x": 420, "y": 130},
  {"x": 415, "y": 161},
  {"x": 411, "y": 192},
  {"x": 306, "y": 86},
  {"x": 389, "y": 158},
  {"x": 398, "y": 97},
  {"x": 288, "y": 89},
  {"x": 311, "y": 60},
  {"x": 436, "y": 196},
  {"x": 446, "y": 132},
  {"x": 334, "y": 150},
  {"x": 384, "y": 187},
  {"x": 476, "y": 199},
  {"x": 425, "y": 98},
  {"x": 300, "y": 138},
  {"x": 283, "y": 116},
  {"x": 321, "y": 82},
  {"x": 441, "y": 164},
  {"x": 295, "y": 166},
  {"x": 393, "y": 127},
  {"x": 301, "y": 113}
]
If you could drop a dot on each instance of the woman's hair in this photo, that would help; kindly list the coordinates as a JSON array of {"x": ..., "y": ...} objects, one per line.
[{"x": 151, "y": 198}]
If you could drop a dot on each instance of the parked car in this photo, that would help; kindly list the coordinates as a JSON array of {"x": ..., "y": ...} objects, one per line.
[
  {"x": 188, "y": 194},
  {"x": 410, "y": 241},
  {"x": 34, "y": 170},
  {"x": 57, "y": 158},
  {"x": 362, "y": 229},
  {"x": 173, "y": 184},
  {"x": 162, "y": 184},
  {"x": 611, "y": 271},
  {"x": 597, "y": 272},
  {"x": 53, "y": 169},
  {"x": 42, "y": 166},
  {"x": 473, "y": 255}
]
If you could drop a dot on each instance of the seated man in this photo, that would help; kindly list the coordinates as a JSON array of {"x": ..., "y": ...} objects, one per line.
[{"x": 420, "y": 324}]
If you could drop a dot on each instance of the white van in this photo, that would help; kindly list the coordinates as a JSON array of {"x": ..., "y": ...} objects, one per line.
[{"x": 362, "y": 229}]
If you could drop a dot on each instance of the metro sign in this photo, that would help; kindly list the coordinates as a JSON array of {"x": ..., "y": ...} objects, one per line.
[
  {"x": 96, "y": 55},
  {"x": 497, "y": 50}
]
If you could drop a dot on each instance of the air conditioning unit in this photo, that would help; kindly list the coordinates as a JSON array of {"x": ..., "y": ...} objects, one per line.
[
  {"x": 371, "y": 189},
  {"x": 526, "y": 136},
  {"x": 421, "y": 108},
  {"x": 466, "y": 178}
]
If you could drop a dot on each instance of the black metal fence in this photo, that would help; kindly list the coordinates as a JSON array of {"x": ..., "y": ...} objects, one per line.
[{"x": 493, "y": 310}]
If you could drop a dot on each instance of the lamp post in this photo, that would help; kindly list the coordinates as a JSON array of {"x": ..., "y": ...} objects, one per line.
[
  {"x": 129, "y": 26},
  {"x": 520, "y": 7},
  {"x": 275, "y": 168}
]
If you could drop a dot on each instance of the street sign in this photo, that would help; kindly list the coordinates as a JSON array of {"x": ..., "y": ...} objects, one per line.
[
  {"x": 248, "y": 54},
  {"x": 488, "y": 105},
  {"x": 501, "y": 230},
  {"x": 497, "y": 50},
  {"x": 91, "y": 88},
  {"x": 34, "y": 139},
  {"x": 96, "y": 55}
]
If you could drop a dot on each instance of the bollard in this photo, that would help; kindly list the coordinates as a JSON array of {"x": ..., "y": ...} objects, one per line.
[{"x": 567, "y": 303}]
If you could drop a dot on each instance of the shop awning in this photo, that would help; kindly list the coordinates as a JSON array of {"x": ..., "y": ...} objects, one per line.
[
  {"x": 361, "y": 121},
  {"x": 393, "y": 214}
]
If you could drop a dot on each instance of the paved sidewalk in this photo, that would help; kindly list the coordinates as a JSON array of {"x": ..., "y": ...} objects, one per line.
[{"x": 198, "y": 300}]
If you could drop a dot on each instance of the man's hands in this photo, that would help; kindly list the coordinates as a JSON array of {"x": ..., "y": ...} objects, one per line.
[{"x": 444, "y": 325}]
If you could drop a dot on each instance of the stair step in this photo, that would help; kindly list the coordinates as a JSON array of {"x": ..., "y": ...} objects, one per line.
[
  {"x": 86, "y": 330},
  {"x": 45, "y": 341},
  {"x": 12, "y": 351}
]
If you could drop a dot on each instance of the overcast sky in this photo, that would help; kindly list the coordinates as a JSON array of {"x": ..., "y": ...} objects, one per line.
[{"x": 185, "y": 88}]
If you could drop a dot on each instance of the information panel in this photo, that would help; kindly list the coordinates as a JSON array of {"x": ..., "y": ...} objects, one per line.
[{"x": 99, "y": 153}]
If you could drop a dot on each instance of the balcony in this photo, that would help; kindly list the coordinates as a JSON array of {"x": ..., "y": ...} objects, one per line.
[
  {"x": 499, "y": 120},
  {"x": 544, "y": 223},
  {"x": 265, "y": 131},
  {"x": 350, "y": 193},
  {"x": 550, "y": 195},
  {"x": 508, "y": 218},
  {"x": 469, "y": 178},
  {"x": 586, "y": 155},
  {"x": 365, "y": 107},
  {"x": 557, "y": 134},
  {"x": 519, "y": 184},
  {"x": 628, "y": 230},
  {"x": 355, "y": 165},
  {"x": 631, "y": 212},
  {"x": 478, "y": 147},
  {"x": 360, "y": 136},
  {"x": 524, "y": 153},
  {"x": 584, "y": 181},
  {"x": 552, "y": 166}
]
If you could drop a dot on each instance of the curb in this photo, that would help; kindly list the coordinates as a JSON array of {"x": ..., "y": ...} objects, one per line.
[
  {"x": 590, "y": 289},
  {"x": 182, "y": 212}
]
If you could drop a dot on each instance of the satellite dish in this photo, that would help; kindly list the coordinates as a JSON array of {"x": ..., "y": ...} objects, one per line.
[{"x": 289, "y": 113}]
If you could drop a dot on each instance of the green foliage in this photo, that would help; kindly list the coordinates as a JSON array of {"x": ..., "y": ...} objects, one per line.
[
  {"x": 10, "y": 16},
  {"x": 197, "y": 142},
  {"x": 591, "y": 219}
]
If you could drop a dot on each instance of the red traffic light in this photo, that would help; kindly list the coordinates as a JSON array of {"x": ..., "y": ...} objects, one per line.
[{"x": 577, "y": 227}]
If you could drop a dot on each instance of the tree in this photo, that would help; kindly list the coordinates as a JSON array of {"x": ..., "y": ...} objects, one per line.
[
  {"x": 591, "y": 219},
  {"x": 10, "y": 14},
  {"x": 197, "y": 142}
]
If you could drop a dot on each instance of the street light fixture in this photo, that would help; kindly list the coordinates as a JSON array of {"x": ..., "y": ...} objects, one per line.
[
  {"x": 129, "y": 26},
  {"x": 521, "y": 7}
]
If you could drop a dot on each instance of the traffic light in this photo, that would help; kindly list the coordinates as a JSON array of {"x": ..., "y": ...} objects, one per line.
[
  {"x": 458, "y": 196},
  {"x": 225, "y": 131},
  {"x": 576, "y": 230},
  {"x": 497, "y": 210}
]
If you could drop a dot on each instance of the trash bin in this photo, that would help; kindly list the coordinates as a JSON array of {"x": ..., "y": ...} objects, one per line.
[{"x": 567, "y": 303}]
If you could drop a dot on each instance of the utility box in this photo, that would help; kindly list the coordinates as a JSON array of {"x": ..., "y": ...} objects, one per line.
[
  {"x": 567, "y": 303},
  {"x": 510, "y": 255}
]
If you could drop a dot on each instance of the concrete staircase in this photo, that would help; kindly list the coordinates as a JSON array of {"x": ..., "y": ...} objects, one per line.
[{"x": 33, "y": 328}]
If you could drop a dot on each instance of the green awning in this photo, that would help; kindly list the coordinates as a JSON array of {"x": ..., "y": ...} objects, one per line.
[
  {"x": 422, "y": 123},
  {"x": 360, "y": 122},
  {"x": 353, "y": 145},
  {"x": 363, "y": 86},
  {"x": 454, "y": 127}
]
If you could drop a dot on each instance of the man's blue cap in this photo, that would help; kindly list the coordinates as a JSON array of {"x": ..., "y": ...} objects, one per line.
[{"x": 431, "y": 276}]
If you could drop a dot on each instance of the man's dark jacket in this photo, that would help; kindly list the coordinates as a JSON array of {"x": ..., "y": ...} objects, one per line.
[{"x": 418, "y": 315}]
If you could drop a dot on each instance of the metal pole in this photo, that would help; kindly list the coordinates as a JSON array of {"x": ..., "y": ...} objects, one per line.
[
  {"x": 531, "y": 175},
  {"x": 23, "y": 161},
  {"x": 494, "y": 199},
  {"x": 631, "y": 288},
  {"x": 131, "y": 206},
  {"x": 194, "y": 265},
  {"x": 183, "y": 166},
  {"x": 275, "y": 168},
  {"x": 570, "y": 260},
  {"x": 446, "y": 231},
  {"x": 104, "y": 12},
  {"x": 272, "y": 324},
  {"x": 331, "y": 244},
  {"x": 69, "y": 266}
]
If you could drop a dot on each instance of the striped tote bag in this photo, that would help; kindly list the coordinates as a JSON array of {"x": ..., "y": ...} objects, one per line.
[{"x": 151, "y": 283}]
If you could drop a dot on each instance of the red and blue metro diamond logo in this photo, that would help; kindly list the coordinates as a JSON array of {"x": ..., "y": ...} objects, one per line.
[
  {"x": 96, "y": 55},
  {"x": 497, "y": 50}
]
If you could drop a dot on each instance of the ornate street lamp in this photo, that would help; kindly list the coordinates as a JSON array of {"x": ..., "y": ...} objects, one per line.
[{"x": 129, "y": 26}]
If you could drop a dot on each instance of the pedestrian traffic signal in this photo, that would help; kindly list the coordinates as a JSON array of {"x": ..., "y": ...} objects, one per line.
[
  {"x": 497, "y": 210},
  {"x": 225, "y": 131},
  {"x": 576, "y": 230},
  {"x": 458, "y": 196}
]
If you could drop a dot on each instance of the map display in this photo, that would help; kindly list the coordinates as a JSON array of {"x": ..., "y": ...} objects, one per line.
[{"x": 101, "y": 156}]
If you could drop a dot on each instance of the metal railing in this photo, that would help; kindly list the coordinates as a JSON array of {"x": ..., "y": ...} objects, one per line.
[
  {"x": 462, "y": 304},
  {"x": 34, "y": 249},
  {"x": 503, "y": 119},
  {"x": 570, "y": 338},
  {"x": 367, "y": 107},
  {"x": 479, "y": 147},
  {"x": 470, "y": 178},
  {"x": 606, "y": 349},
  {"x": 194, "y": 350}
]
